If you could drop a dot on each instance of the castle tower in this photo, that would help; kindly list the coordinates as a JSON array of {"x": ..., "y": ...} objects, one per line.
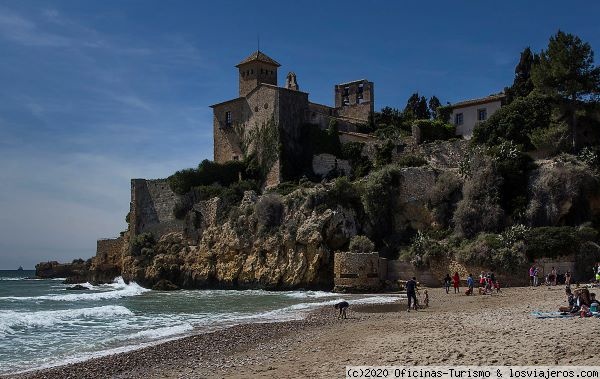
[{"x": 257, "y": 68}]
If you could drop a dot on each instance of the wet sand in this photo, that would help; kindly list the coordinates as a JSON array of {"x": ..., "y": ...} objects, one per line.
[{"x": 455, "y": 329}]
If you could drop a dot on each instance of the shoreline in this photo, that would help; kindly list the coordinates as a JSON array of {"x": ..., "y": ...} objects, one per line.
[
  {"x": 455, "y": 330},
  {"x": 203, "y": 350}
]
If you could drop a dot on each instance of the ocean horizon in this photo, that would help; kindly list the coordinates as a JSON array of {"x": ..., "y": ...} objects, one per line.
[{"x": 43, "y": 324}]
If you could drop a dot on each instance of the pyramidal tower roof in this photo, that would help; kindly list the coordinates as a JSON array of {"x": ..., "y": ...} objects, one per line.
[{"x": 258, "y": 56}]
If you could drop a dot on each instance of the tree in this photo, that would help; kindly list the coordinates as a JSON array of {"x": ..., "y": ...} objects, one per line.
[
  {"x": 416, "y": 107},
  {"x": 434, "y": 104},
  {"x": 522, "y": 84},
  {"x": 566, "y": 70}
]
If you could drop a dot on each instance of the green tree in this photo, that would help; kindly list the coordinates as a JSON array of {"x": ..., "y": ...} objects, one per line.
[
  {"x": 522, "y": 84},
  {"x": 416, "y": 107},
  {"x": 434, "y": 104},
  {"x": 566, "y": 70}
]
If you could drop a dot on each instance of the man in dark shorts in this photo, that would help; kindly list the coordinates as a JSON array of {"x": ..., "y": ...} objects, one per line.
[
  {"x": 411, "y": 288},
  {"x": 342, "y": 306}
]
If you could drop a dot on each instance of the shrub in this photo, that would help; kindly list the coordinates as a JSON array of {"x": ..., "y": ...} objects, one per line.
[
  {"x": 423, "y": 250},
  {"x": 361, "y": 165},
  {"x": 444, "y": 196},
  {"x": 269, "y": 211},
  {"x": 551, "y": 140},
  {"x": 361, "y": 244},
  {"x": 383, "y": 153},
  {"x": 142, "y": 244},
  {"x": 488, "y": 251},
  {"x": 554, "y": 186},
  {"x": 344, "y": 193},
  {"x": 377, "y": 195},
  {"x": 479, "y": 210},
  {"x": 207, "y": 173},
  {"x": 434, "y": 130},
  {"x": 553, "y": 241},
  {"x": 411, "y": 160},
  {"x": 515, "y": 121},
  {"x": 230, "y": 196},
  {"x": 285, "y": 188}
]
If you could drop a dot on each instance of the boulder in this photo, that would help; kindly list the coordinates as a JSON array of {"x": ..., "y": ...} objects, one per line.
[{"x": 164, "y": 285}]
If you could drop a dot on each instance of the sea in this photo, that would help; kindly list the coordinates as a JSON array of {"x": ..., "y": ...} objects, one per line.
[{"x": 42, "y": 324}]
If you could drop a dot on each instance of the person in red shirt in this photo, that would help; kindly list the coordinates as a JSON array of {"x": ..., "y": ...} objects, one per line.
[{"x": 456, "y": 282}]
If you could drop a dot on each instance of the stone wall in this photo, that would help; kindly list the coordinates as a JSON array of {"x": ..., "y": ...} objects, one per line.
[
  {"x": 398, "y": 270},
  {"x": 152, "y": 203},
  {"x": 323, "y": 164},
  {"x": 107, "y": 263},
  {"x": 356, "y": 272},
  {"x": 562, "y": 264},
  {"x": 347, "y": 137}
]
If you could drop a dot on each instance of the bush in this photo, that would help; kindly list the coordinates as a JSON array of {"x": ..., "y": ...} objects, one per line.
[
  {"x": 377, "y": 197},
  {"x": 552, "y": 140},
  {"x": 488, "y": 251},
  {"x": 515, "y": 121},
  {"x": 514, "y": 168},
  {"x": 269, "y": 211},
  {"x": 423, "y": 251},
  {"x": 383, "y": 153},
  {"x": 553, "y": 241},
  {"x": 361, "y": 165},
  {"x": 479, "y": 210},
  {"x": 361, "y": 244},
  {"x": 230, "y": 196},
  {"x": 553, "y": 186},
  {"x": 444, "y": 196},
  {"x": 142, "y": 244},
  {"x": 411, "y": 160},
  {"x": 207, "y": 173},
  {"x": 434, "y": 130}
]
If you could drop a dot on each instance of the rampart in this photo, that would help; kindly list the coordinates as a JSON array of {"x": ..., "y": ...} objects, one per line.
[
  {"x": 356, "y": 272},
  {"x": 152, "y": 204}
]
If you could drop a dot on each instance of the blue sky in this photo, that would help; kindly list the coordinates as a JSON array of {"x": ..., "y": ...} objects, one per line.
[{"x": 94, "y": 93}]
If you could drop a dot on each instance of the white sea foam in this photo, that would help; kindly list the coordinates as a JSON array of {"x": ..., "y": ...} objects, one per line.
[
  {"x": 9, "y": 320},
  {"x": 118, "y": 289},
  {"x": 158, "y": 333},
  {"x": 309, "y": 294}
]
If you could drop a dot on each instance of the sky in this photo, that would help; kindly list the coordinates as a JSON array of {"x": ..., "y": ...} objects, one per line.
[{"x": 94, "y": 93}]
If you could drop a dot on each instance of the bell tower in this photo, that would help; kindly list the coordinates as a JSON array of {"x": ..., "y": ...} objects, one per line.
[{"x": 257, "y": 68}]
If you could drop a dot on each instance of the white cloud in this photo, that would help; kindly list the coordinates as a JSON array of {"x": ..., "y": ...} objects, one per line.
[{"x": 25, "y": 31}]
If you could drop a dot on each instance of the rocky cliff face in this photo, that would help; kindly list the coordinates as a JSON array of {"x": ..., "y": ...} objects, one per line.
[
  {"x": 243, "y": 252},
  {"x": 288, "y": 242}
]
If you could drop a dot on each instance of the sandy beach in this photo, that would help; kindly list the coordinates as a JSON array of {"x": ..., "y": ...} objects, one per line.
[{"x": 455, "y": 329}]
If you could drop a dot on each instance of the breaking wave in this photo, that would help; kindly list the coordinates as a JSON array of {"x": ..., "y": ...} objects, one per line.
[
  {"x": 115, "y": 290},
  {"x": 11, "y": 320}
]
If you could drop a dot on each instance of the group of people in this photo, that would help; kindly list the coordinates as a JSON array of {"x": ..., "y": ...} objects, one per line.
[
  {"x": 553, "y": 277},
  {"x": 487, "y": 283},
  {"x": 580, "y": 302}
]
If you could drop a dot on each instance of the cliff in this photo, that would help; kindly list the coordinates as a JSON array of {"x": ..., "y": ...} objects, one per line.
[{"x": 288, "y": 241}]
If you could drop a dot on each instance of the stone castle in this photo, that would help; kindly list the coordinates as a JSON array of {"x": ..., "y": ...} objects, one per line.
[{"x": 261, "y": 101}]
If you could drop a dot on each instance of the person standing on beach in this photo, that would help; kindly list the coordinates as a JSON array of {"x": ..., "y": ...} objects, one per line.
[
  {"x": 470, "y": 284},
  {"x": 456, "y": 282},
  {"x": 531, "y": 275},
  {"x": 411, "y": 294},
  {"x": 536, "y": 274},
  {"x": 447, "y": 281},
  {"x": 553, "y": 276}
]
